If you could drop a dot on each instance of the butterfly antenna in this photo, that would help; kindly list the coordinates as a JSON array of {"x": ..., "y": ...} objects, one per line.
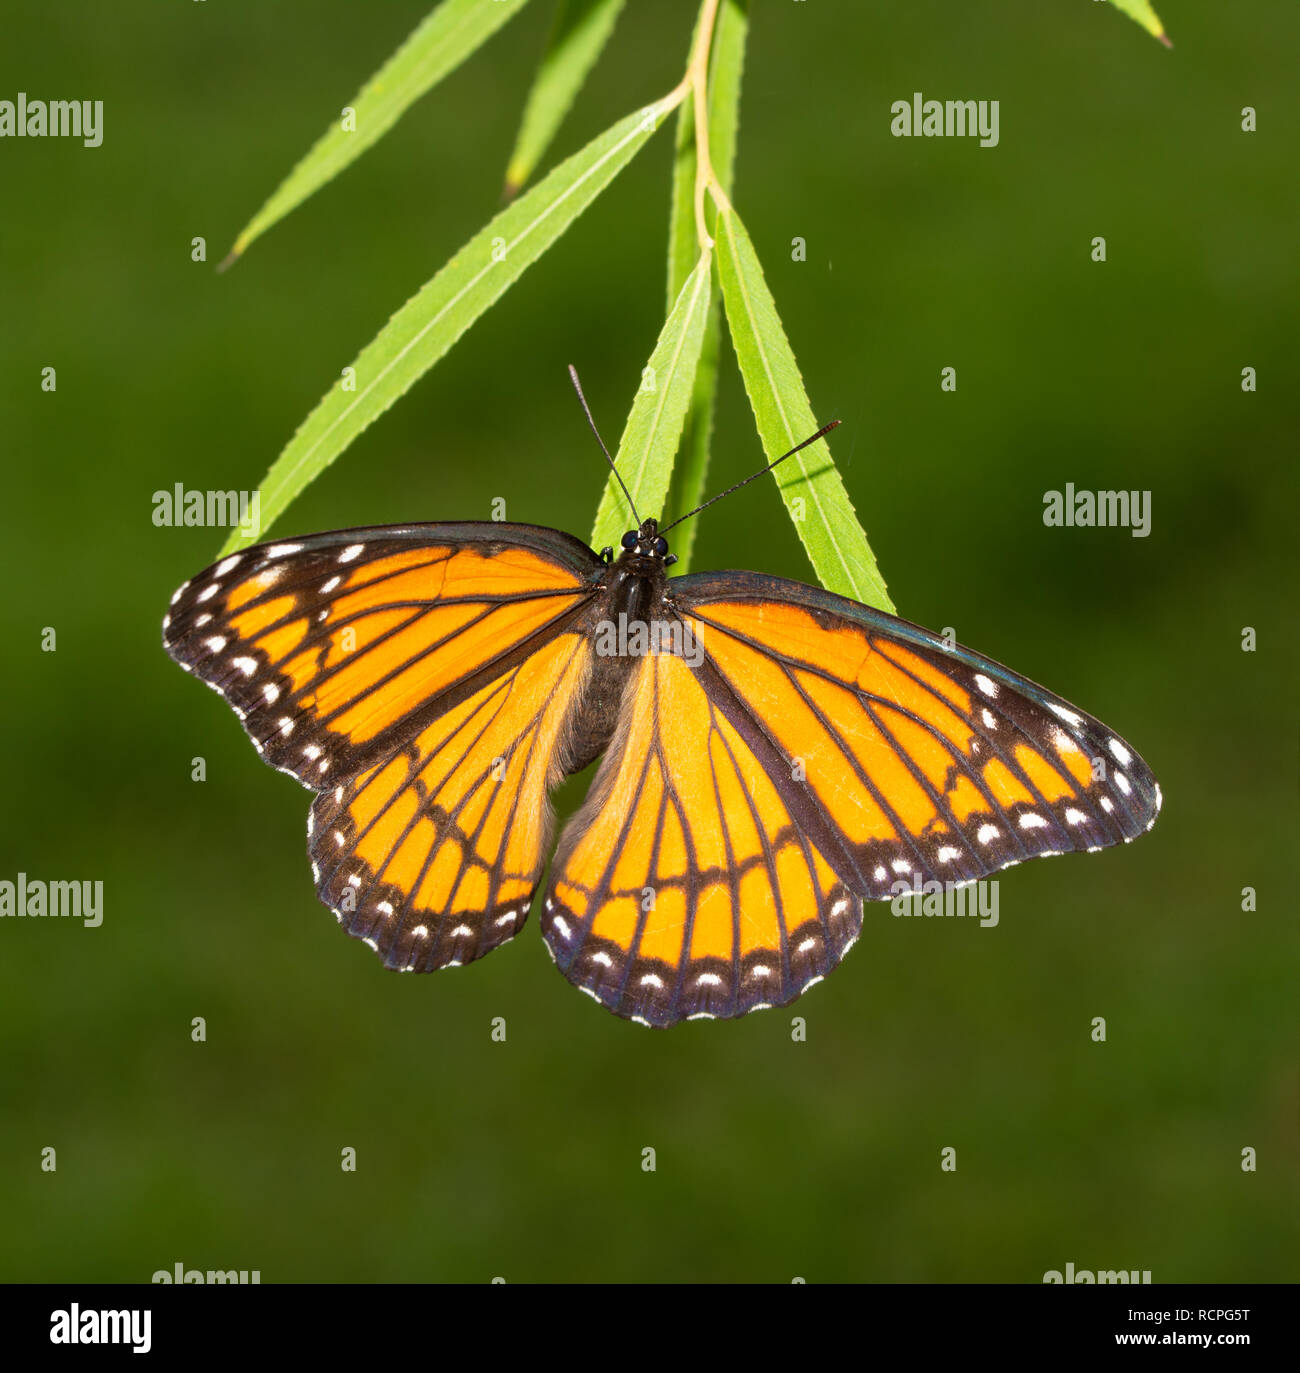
[
  {"x": 821, "y": 433},
  {"x": 577, "y": 386}
]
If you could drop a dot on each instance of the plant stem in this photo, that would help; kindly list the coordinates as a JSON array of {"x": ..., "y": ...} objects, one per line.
[
  {"x": 696, "y": 82},
  {"x": 697, "y": 78}
]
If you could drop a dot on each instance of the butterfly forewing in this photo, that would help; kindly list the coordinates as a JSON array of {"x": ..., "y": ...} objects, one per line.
[
  {"x": 335, "y": 650},
  {"x": 929, "y": 762}
]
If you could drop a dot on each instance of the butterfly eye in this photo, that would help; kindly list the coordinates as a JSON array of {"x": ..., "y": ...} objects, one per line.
[
  {"x": 629, "y": 539},
  {"x": 661, "y": 546}
]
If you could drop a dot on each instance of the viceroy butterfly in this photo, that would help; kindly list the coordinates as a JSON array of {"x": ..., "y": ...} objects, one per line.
[{"x": 780, "y": 756}]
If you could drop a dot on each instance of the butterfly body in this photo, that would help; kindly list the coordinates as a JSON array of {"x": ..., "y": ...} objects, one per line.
[
  {"x": 631, "y": 590},
  {"x": 773, "y": 754}
]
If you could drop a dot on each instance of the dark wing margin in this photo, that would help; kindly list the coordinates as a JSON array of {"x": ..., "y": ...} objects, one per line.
[
  {"x": 924, "y": 762},
  {"x": 336, "y": 649}
]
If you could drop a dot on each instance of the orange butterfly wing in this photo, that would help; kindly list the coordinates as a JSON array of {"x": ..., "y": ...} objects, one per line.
[
  {"x": 684, "y": 888},
  {"x": 431, "y": 857},
  {"x": 816, "y": 754},
  {"x": 906, "y": 758},
  {"x": 422, "y": 679},
  {"x": 337, "y": 649}
]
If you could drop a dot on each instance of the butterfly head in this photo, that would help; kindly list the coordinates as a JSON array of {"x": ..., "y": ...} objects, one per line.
[{"x": 647, "y": 542}]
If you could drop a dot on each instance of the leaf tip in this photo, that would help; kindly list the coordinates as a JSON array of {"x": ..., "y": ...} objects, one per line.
[{"x": 230, "y": 259}]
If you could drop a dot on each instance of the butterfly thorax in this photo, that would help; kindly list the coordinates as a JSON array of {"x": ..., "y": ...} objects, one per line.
[
  {"x": 635, "y": 588},
  {"x": 634, "y": 582}
]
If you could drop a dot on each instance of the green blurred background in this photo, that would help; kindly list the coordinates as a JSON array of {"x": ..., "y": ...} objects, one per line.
[{"x": 774, "y": 1158}]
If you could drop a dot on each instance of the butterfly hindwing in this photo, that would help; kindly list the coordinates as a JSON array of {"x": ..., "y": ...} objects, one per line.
[
  {"x": 334, "y": 650},
  {"x": 932, "y": 763},
  {"x": 431, "y": 857},
  {"x": 684, "y": 888}
]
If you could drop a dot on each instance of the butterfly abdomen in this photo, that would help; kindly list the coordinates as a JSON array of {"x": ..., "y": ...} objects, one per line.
[
  {"x": 594, "y": 725},
  {"x": 619, "y": 626}
]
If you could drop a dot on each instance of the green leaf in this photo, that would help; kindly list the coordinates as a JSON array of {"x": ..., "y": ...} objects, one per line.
[
  {"x": 1141, "y": 11},
  {"x": 578, "y": 35},
  {"x": 726, "y": 65},
  {"x": 835, "y": 542},
  {"x": 431, "y": 321},
  {"x": 645, "y": 452},
  {"x": 439, "y": 45}
]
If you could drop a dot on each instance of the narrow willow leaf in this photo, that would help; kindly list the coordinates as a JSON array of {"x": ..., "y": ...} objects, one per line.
[
  {"x": 439, "y": 45},
  {"x": 645, "y": 452},
  {"x": 431, "y": 321},
  {"x": 578, "y": 35},
  {"x": 813, "y": 492},
  {"x": 1141, "y": 11},
  {"x": 726, "y": 65}
]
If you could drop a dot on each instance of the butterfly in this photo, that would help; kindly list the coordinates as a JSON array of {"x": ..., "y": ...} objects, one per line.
[{"x": 772, "y": 754}]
